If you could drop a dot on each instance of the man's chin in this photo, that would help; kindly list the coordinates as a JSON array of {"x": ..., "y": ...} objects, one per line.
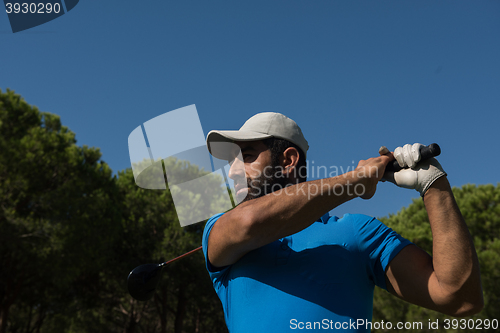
[{"x": 241, "y": 196}]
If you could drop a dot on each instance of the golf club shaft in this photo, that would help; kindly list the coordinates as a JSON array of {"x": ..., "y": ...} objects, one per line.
[{"x": 181, "y": 256}]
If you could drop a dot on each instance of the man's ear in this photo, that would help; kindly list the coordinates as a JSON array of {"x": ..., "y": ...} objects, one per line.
[{"x": 290, "y": 159}]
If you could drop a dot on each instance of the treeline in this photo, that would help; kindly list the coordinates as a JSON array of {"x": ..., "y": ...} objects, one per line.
[{"x": 70, "y": 232}]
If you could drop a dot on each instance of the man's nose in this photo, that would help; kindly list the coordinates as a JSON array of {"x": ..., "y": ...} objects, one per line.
[{"x": 237, "y": 169}]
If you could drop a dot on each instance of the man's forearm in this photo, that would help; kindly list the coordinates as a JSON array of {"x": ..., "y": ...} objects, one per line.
[{"x": 454, "y": 258}]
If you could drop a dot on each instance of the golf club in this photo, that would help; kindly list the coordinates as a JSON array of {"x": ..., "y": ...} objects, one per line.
[{"x": 143, "y": 279}]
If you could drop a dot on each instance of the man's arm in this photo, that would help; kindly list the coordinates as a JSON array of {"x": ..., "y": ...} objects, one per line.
[
  {"x": 448, "y": 282},
  {"x": 264, "y": 220}
]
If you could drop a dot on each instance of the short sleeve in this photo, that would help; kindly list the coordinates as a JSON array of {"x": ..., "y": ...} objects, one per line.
[
  {"x": 213, "y": 271},
  {"x": 378, "y": 244},
  {"x": 219, "y": 276}
]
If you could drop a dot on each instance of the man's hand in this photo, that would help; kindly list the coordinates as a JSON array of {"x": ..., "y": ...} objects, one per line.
[
  {"x": 371, "y": 172},
  {"x": 419, "y": 176}
]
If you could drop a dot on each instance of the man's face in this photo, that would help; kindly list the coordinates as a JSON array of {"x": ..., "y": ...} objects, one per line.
[{"x": 262, "y": 177}]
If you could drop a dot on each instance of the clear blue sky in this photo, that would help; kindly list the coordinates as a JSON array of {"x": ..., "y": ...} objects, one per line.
[{"x": 355, "y": 75}]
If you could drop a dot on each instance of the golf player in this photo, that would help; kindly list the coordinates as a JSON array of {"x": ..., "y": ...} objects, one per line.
[{"x": 280, "y": 263}]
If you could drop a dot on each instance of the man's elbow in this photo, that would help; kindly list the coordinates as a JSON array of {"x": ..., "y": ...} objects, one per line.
[
  {"x": 468, "y": 306},
  {"x": 466, "y": 299},
  {"x": 468, "y": 310}
]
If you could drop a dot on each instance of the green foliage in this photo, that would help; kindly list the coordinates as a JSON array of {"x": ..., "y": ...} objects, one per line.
[
  {"x": 57, "y": 215},
  {"x": 480, "y": 206}
]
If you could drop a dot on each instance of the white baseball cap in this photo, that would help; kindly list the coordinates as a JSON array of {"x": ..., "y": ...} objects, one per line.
[{"x": 261, "y": 126}]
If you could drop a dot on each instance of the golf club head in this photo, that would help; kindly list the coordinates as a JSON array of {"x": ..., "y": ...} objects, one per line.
[{"x": 142, "y": 281}]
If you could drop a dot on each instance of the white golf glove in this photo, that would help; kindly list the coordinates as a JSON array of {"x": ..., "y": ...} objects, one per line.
[{"x": 420, "y": 176}]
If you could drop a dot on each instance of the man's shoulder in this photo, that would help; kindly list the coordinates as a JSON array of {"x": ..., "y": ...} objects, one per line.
[
  {"x": 331, "y": 230},
  {"x": 351, "y": 219},
  {"x": 348, "y": 229}
]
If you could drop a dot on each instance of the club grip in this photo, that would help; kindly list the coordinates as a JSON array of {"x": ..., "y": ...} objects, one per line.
[{"x": 426, "y": 152}]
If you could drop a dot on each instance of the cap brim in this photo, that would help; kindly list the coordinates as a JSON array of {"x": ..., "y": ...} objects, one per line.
[{"x": 230, "y": 136}]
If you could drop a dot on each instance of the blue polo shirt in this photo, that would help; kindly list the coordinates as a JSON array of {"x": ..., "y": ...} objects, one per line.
[{"x": 319, "y": 279}]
